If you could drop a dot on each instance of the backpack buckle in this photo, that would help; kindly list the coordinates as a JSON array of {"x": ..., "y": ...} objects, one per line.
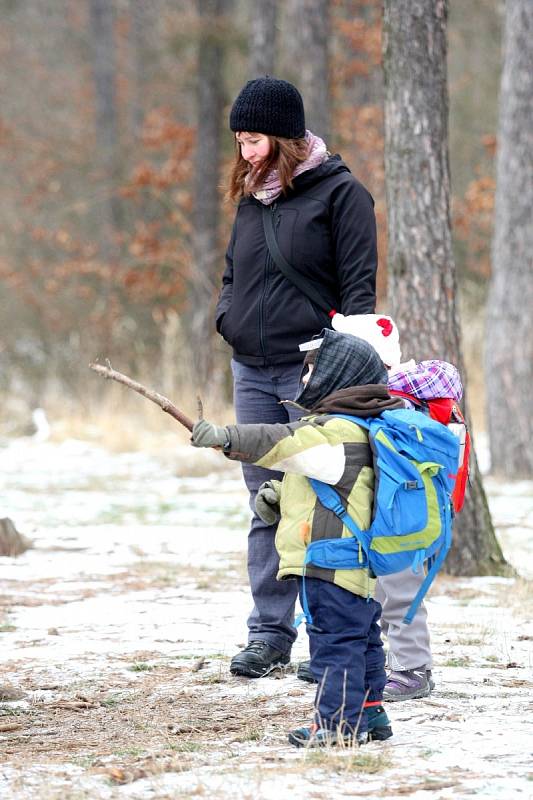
[{"x": 338, "y": 510}]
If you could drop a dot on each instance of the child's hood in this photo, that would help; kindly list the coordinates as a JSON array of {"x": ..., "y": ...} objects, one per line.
[{"x": 342, "y": 361}]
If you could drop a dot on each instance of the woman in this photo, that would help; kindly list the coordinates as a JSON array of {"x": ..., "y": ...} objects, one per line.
[{"x": 324, "y": 224}]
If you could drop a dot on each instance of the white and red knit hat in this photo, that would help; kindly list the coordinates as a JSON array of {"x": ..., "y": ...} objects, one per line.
[{"x": 377, "y": 329}]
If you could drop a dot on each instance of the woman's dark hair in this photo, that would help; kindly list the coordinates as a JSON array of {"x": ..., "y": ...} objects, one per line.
[{"x": 285, "y": 155}]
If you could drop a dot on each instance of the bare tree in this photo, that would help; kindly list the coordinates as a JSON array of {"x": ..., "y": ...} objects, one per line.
[
  {"x": 309, "y": 61},
  {"x": 421, "y": 269},
  {"x": 141, "y": 23},
  {"x": 509, "y": 352},
  {"x": 263, "y": 16},
  {"x": 207, "y": 255},
  {"x": 107, "y": 142}
]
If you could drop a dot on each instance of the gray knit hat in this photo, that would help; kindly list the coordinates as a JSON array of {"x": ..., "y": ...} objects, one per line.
[{"x": 271, "y": 106}]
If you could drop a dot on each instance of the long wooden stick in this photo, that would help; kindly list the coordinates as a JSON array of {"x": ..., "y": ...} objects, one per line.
[{"x": 163, "y": 402}]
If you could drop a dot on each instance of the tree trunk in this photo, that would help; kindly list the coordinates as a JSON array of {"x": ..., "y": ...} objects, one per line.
[
  {"x": 421, "y": 269},
  {"x": 262, "y": 37},
  {"x": 12, "y": 543},
  {"x": 141, "y": 23},
  {"x": 207, "y": 254},
  {"x": 107, "y": 150},
  {"x": 509, "y": 351},
  {"x": 310, "y": 61}
]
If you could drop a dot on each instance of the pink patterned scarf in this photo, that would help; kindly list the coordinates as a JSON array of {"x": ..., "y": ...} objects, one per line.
[{"x": 271, "y": 188}]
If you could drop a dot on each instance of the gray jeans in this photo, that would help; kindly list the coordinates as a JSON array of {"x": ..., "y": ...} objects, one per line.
[
  {"x": 257, "y": 395},
  {"x": 409, "y": 646}
]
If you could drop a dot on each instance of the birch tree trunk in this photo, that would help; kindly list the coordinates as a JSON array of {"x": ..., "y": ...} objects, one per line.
[
  {"x": 310, "y": 61},
  {"x": 262, "y": 56},
  {"x": 207, "y": 253},
  {"x": 509, "y": 350},
  {"x": 421, "y": 269}
]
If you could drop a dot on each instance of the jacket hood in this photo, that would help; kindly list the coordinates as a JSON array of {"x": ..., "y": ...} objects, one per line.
[
  {"x": 332, "y": 166},
  {"x": 342, "y": 361}
]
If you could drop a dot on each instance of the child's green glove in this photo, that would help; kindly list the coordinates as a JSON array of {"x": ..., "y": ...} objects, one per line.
[
  {"x": 267, "y": 502},
  {"x": 205, "y": 434}
]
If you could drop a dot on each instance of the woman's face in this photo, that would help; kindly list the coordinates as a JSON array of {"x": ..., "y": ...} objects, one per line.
[{"x": 255, "y": 147}]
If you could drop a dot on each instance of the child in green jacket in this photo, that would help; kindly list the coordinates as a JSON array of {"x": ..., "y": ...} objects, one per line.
[{"x": 344, "y": 375}]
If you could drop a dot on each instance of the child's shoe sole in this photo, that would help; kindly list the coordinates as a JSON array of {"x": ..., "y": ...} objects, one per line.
[
  {"x": 380, "y": 734},
  {"x": 306, "y": 737}
]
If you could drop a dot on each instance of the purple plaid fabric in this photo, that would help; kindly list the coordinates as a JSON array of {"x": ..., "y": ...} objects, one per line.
[{"x": 428, "y": 380}]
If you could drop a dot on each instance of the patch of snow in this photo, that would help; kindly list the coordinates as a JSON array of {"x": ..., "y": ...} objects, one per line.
[{"x": 132, "y": 562}]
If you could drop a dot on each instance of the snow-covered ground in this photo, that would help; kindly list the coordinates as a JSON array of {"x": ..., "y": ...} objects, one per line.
[{"x": 118, "y": 626}]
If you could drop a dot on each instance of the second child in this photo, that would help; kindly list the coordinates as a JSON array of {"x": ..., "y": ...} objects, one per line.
[{"x": 409, "y": 657}]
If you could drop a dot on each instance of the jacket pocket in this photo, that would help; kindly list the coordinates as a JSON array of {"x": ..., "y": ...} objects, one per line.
[
  {"x": 224, "y": 327},
  {"x": 322, "y": 319}
]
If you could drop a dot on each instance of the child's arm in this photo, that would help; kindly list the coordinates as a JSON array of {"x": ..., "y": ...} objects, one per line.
[{"x": 316, "y": 447}]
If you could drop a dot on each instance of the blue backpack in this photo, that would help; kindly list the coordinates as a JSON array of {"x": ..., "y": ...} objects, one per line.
[{"x": 415, "y": 464}]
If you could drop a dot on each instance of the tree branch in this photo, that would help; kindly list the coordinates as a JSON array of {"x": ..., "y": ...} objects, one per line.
[{"x": 163, "y": 402}]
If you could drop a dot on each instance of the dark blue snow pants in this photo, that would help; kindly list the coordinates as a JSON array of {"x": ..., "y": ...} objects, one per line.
[{"x": 347, "y": 657}]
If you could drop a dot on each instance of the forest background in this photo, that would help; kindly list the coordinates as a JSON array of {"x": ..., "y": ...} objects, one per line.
[{"x": 111, "y": 237}]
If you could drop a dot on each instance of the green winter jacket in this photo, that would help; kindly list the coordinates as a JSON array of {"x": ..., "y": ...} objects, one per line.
[{"x": 330, "y": 449}]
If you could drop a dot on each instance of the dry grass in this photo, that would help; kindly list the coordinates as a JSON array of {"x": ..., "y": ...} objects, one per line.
[
  {"x": 123, "y": 421},
  {"x": 114, "y": 417},
  {"x": 155, "y": 574},
  {"x": 140, "y": 576},
  {"x": 163, "y": 719},
  {"x": 117, "y": 418},
  {"x": 517, "y": 595},
  {"x": 350, "y": 759},
  {"x": 145, "y": 714}
]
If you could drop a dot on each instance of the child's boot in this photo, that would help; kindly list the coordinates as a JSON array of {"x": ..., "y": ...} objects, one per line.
[
  {"x": 379, "y": 727},
  {"x": 304, "y": 673},
  {"x": 408, "y": 684}
]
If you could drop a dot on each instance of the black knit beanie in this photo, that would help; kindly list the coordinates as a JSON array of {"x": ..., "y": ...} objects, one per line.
[{"x": 271, "y": 106}]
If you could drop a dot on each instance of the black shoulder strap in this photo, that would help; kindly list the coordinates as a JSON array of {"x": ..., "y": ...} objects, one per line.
[{"x": 283, "y": 265}]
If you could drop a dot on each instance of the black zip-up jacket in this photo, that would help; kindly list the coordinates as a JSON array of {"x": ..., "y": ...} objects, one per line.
[{"x": 326, "y": 229}]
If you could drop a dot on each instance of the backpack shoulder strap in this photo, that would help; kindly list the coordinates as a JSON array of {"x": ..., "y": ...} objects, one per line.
[
  {"x": 287, "y": 269},
  {"x": 361, "y": 421},
  {"x": 330, "y": 499}
]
